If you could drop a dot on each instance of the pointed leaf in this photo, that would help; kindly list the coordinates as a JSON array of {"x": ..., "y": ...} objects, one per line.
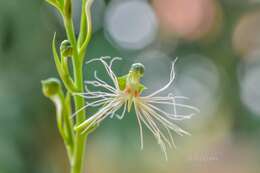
[{"x": 55, "y": 54}]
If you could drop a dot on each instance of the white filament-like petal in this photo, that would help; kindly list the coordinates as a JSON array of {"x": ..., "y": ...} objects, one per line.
[
  {"x": 172, "y": 77},
  {"x": 152, "y": 126},
  {"x": 101, "y": 115},
  {"x": 108, "y": 68}
]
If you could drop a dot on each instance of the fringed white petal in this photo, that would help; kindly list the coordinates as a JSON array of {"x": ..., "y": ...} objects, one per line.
[
  {"x": 158, "y": 122},
  {"x": 172, "y": 77},
  {"x": 108, "y": 101}
]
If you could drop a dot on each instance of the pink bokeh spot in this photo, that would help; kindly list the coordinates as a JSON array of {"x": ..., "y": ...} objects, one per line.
[{"x": 189, "y": 19}]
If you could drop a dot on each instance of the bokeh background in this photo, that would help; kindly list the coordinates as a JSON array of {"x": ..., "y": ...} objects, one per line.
[{"x": 218, "y": 45}]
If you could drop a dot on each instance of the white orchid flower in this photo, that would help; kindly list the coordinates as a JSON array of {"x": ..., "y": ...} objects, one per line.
[{"x": 126, "y": 92}]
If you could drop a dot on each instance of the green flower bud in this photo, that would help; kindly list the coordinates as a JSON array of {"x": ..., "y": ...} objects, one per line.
[
  {"x": 66, "y": 49},
  {"x": 138, "y": 68},
  {"x": 51, "y": 87}
]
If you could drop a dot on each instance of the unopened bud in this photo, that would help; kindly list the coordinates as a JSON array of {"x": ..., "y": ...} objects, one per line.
[
  {"x": 138, "y": 68},
  {"x": 66, "y": 49},
  {"x": 51, "y": 87}
]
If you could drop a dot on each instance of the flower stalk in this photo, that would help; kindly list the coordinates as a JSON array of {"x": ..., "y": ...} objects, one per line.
[{"x": 74, "y": 48}]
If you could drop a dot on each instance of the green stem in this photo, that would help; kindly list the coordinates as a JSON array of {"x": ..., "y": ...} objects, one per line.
[
  {"x": 77, "y": 61},
  {"x": 74, "y": 140},
  {"x": 79, "y": 147},
  {"x": 79, "y": 150}
]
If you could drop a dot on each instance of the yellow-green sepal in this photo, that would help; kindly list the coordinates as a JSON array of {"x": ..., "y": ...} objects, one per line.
[{"x": 122, "y": 82}]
